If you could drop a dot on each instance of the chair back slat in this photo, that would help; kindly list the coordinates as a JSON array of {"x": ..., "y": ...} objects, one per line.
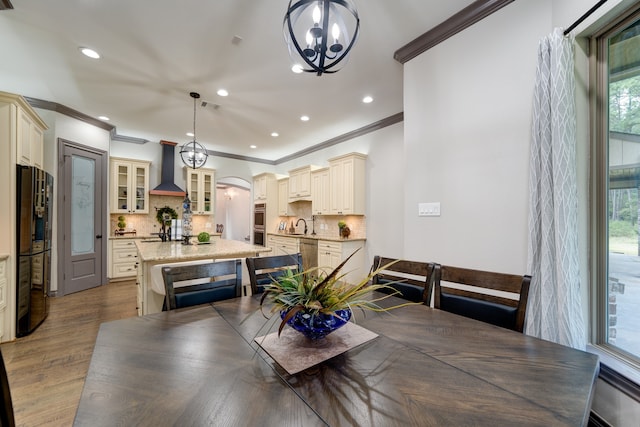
[
  {"x": 222, "y": 280},
  {"x": 263, "y": 270},
  {"x": 482, "y": 295},
  {"x": 413, "y": 279}
]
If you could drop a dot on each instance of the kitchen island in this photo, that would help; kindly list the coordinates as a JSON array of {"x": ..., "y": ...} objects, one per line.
[{"x": 152, "y": 254}]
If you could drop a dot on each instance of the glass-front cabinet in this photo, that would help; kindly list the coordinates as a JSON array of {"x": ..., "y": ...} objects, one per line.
[
  {"x": 201, "y": 185},
  {"x": 129, "y": 186}
]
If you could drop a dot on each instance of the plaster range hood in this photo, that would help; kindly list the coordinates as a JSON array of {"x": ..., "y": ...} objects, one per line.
[{"x": 167, "y": 186}]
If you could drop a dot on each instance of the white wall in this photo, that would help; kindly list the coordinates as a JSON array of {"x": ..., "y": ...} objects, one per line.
[
  {"x": 467, "y": 131},
  {"x": 467, "y": 124}
]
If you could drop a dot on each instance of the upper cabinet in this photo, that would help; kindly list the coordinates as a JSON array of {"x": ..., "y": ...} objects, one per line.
[
  {"x": 201, "y": 185},
  {"x": 347, "y": 177},
  {"x": 129, "y": 186},
  {"x": 320, "y": 192},
  {"x": 300, "y": 183},
  {"x": 25, "y": 130},
  {"x": 260, "y": 187},
  {"x": 30, "y": 139},
  {"x": 283, "y": 197}
]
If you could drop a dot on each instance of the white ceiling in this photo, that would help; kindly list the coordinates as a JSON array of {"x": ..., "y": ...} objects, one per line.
[{"x": 154, "y": 52}]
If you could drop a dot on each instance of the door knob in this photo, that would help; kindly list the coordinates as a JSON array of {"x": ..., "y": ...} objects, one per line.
[{"x": 98, "y": 236}]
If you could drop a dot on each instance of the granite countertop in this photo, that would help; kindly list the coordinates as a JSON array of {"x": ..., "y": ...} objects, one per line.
[
  {"x": 176, "y": 251},
  {"x": 320, "y": 237}
]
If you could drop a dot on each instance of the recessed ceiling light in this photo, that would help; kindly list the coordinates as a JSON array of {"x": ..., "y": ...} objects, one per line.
[
  {"x": 304, "y": 118},
  {"x": 367, "y": 99},
  {"x": 190, "y": 134},
  {"x": 253, "y": 146},
  {"x": 105, "y": 118},
  {"x": 275, "y": 134},
  {"x": 90, "y": 53},
  {"x": 297, "y": 68},
  {"x": 223, "y": 92}
]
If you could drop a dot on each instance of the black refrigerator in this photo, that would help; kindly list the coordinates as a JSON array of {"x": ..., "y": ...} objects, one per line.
[{"x": 34, "y": 214}]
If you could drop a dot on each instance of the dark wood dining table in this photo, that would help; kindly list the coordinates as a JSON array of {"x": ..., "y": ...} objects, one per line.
[{"x": 200, "y": 366}]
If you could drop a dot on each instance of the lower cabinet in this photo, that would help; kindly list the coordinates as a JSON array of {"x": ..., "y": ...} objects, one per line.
[
  {"x": 124, "y": 257},
  {"x": 332, "y": 253},
  {"x": 281, "y": 245}
]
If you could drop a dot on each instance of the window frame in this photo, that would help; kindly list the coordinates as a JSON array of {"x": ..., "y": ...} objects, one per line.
[{"x": 620, "y": 367}]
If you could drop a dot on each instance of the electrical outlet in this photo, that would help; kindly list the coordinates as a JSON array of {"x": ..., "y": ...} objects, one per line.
[{"x": 429, "y": 209}]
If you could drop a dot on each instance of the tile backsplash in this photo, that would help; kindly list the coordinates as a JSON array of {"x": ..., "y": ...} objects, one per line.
[
  {"x": 323, "y": 225},
  {"x": 146, "y": 224}
]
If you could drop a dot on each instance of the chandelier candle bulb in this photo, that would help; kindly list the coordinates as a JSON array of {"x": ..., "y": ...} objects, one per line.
[{"x": 311, "y": 23}]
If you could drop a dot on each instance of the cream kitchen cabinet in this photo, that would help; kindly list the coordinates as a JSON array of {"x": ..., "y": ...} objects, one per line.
[
  {"x": 281, "y": 245},
  {"x": 283, "y": 197},
  {"x": 331, "y": 253},
  {"x": 260, "y": 187},
  {"x": 347, "y": 176},
  {"x": 320, "y": 192},
  {"x": 124, "y": 258},
  {"x": 300, "y": 183},
  {"x": 201, "y": 186},
  {"x": 30, "y": 139},
  {"x": 24, "y": 130},
  {"x": 21, "y": 142},
  {"x": 129, "y": 186}
]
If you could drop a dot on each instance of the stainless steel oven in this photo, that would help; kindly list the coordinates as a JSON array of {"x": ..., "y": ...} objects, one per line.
[{"x": 259, "y": 223}]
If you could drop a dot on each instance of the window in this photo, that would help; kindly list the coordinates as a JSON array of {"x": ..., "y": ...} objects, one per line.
[{"x": 616, "y": 243}]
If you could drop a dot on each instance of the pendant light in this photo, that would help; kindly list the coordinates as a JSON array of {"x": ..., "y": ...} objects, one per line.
[
  {"x": 320, "y": 33},
  {"x": 192, "y": 153}
]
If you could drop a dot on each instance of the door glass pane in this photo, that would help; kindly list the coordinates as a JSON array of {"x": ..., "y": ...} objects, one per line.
[
  {"x": 140, "y": 188},
  {"x": 82, "y": 205},
  {"x": 623, "y": 305}
]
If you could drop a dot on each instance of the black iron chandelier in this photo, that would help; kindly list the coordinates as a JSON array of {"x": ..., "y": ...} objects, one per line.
[
  {"x": 192, "y": 153},
  {"x": 321, "y": 33}
]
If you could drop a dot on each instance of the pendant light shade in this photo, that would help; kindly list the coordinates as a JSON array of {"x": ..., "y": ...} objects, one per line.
[
  {"x": 192, "y": 153},
  {"x": 320, "y": 33}
]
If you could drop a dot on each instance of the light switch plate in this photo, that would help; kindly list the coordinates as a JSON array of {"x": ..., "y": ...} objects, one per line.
[{"x": 429, "y": 209}]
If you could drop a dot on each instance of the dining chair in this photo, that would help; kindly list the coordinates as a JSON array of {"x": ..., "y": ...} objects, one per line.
[
  {"x": 496, "y": 298},
  {"x": 202, "y": 283},
  {"x": 413, "y": 279},
  {"x": 6, "y": 410},
  {"x": 263, "y": 270}
]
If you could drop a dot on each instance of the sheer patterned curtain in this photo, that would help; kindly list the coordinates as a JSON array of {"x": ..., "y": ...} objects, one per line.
[{"x": 554, "y": 310}]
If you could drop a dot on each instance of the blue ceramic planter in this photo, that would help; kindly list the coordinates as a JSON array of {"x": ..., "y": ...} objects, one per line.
[{"x": 317, "y": 326}]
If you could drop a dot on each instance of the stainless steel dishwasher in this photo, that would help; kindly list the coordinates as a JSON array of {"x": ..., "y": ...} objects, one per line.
[{"x": 309, "y": 251}]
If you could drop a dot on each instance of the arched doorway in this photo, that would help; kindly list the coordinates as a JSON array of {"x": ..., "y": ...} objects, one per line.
[{"x": 233, "y": 208}]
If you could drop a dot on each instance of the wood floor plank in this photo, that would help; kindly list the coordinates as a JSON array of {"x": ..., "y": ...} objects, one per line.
[{"x": 47, "y": 368}]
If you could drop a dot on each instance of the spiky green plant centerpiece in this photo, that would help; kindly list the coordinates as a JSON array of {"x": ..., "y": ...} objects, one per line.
[{"x": 312, "y": 297}]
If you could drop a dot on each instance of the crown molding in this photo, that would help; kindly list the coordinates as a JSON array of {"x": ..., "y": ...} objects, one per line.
[
  {"x": 388, "y": 121},
  {"x": 468, "y": 16},
  {"x": 62, "y": 109}
]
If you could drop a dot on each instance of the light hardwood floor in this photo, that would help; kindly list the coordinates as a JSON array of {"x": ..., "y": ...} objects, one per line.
[{"x": 47, "y": 368}]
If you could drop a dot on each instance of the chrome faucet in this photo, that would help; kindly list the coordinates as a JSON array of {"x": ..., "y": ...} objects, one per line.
[{"x": 305, "y": 224}]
